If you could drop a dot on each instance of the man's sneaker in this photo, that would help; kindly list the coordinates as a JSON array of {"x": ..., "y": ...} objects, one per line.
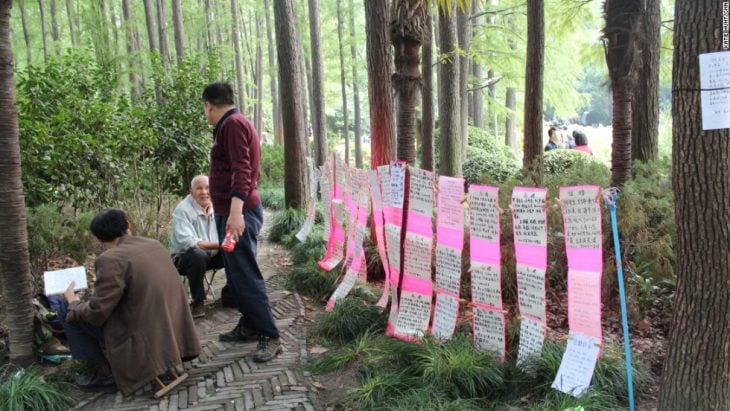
[
  {"x": 267, "y": 349},
  {"x": 198, "y": 309},
  {"x": 238, "y": 334}
]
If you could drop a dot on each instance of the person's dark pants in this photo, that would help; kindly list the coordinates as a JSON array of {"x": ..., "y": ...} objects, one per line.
[
  {"x": 85, "y": 340},
  {"x": 193, "y": 264},
  {"x": 244, "y": 275}
]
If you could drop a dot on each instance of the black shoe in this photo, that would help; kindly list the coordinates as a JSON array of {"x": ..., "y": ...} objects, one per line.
[
  {"x": 267, "y": 349},
  {"x": 96, "y": 383},
  {"x": 239, "y": 334},
  {"x": 197, "y": 308}
]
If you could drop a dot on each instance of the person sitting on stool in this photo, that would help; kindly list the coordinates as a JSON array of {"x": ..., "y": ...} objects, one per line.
[{"x": 194, "y": 240}]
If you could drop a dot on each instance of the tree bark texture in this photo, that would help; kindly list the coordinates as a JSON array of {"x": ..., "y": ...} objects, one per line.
[
  {"x": 476, "y": 101},
  {"x": 449, "y": 95},
  {"x": 696, "y": 372},
  {"x": 162, "y": 33},
  {"x": 14, "y": 267},
  {"x": 55, "y": 35},
  {"x": 621, "y": 34},
  {"x": 132, "y": 47},
  {"x": 343, "y": 84},
  {"x": 533, "y": 149},
  {"x": 259, "y": 117},
  {"x": 290, "y": 81},
  {"x": 208, "y": 26},
  {"x": 179, "y": 29},
  {"x": 427, "y": 99},
  {"x": 275, "y": 110},
  {"x": 645, "y": 103},
  {"x": 380, "y": 93},
  {"x": 149, "y": 14},
  {"x": 510, "y": 137},
  {"x": 236, "y": 38},
  {"x": 463, "y": 31},
  {"x": 26, "y": 36},
  {"x": 355, "y": 89},
  {"x": 319, "y": 124},
  {"x": 42, "y": 10},
  {"x": 407, "y": 32},
  {"x": 69, "y": 16}
]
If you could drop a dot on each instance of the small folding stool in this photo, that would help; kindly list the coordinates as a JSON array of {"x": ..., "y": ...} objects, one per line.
[
  {"x": 209, "y": 281},
  {"x": 166, "y": 388}
]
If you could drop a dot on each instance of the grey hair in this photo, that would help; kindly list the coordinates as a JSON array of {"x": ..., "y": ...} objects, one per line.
[{"x": 196, "y": 178}]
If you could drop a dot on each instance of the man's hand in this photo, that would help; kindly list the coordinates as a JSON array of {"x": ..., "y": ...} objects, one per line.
[
  {"x": 235, "y": 225},
  {"x": 70, "y": 294}
]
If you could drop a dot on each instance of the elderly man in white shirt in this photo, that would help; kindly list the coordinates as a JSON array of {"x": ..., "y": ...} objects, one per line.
[{"x": 194, "y": 240}]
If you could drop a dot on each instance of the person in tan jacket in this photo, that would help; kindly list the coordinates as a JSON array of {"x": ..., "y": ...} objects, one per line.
[{"x": 136, "y": 325}]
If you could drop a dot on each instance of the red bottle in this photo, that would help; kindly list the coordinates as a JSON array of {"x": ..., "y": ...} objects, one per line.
[{"x": 228, "y": 243}]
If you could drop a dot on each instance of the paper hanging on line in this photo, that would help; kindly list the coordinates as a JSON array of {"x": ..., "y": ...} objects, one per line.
[
  {"x": 56, "y": 282},
  {"x": 715, "y": 86}
]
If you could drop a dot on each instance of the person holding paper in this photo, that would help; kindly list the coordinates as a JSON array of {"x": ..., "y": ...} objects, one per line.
[
  {"x": 136, "y": 325},
  {"x": 194, "y": 240},
  {"x": 234, "y": 172}
]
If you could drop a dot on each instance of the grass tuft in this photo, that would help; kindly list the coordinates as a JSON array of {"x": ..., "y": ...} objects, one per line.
[
  {"x": 28, "y": 389},
  {"x": 286, "y": 222},
  {"x": 311, "y": 250},
  {"x": 272, "y": 198},
  {"x": 311, "y": 281},
  {"x": 350, "y": 319}
]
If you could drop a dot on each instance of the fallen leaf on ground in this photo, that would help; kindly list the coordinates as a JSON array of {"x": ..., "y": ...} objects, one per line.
[{"x": 318, "y": 350}]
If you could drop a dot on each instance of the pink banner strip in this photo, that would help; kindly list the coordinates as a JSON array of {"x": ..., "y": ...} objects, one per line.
[
  {"x": 585, "y": 259},
  {"x": 451, "y": 237},
  {"x": 584, "y": 303},
  {"x": 420, "y": 224},
  {"x": 487, "y": 306},
  {"x": 485, "y": 251},
  {"x": 533, "y": 255},
  {"x": 417, "y": 285}
]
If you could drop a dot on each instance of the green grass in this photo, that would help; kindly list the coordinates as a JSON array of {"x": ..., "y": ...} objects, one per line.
[
  {"x": 285, "y": 223},
  {"x": 28, "y": 389},
  {"x": 272, "y": 198},
  {"x": 350, "y": 319},
  {"x": 311, "y": 281},
  {"x": 312, "y": 249}
]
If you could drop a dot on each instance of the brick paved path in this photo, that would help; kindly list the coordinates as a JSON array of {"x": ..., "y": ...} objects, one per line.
[{"x": 225, "y": 377}]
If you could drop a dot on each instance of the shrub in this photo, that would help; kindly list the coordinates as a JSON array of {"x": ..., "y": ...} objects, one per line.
[
  {"x": 312, "y": 281},
  {"x": 311, "y": 250},
  {"x": 489, "y": 169},
  {"x": 286, "y": 222},
  {"x": 560, "y": 161},
  {"x": 28, "y": 389},
  {"x": 350, "y": 319},
  {"x": 272, "y": 166},
  {"x": 272, "y": 197}
]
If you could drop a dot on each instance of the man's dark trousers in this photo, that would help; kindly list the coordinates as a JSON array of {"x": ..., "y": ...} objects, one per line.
[
  {"x": 244, "y": 275},
  {"x": 193, "y": 264}
]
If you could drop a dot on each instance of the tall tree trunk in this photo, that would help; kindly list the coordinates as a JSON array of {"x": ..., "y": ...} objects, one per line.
[
  {"x": 532, "y": 159},
  {"x": 149, "y": 14},
  {"x": 162, "y": 33},
  {"x": 14, "y": 267},
  {"x": 208, "y": 26},
  {"x": 343, "y": 83},
  {"x": 463, "y": 31},
  {"x": 645, "y": 103},
  {"x": 380, "y": 93},
  {"x": 132, "y": 47},
  {"x": 510, "y": 135},
  {"x": 307, "y": 69},
  {"x": 492, "y": 89},
  {"x": 355, "y": 88},
  {"x": 69, "y": 16},
  {"x": 696, "y": 369},
  {"x": 26, "y": 36},
  {"x": 477, "y": 98},
  {"x": 275, "y": 108},
  {"x": 259, "y": 78},
  {"x": 620, "y": 34},
  {"x": 43, "y": 29},
  {"x": 290, "y": 81},
  {"x": 407, "y": 32},
  {"x": 450, "y": 119},
  {"x": 427, "y": 98},
  {"x": 179, "y": 28},
  {"x": 319, "y": 125},
  {"x": 55, "y": 35},
  {"x": 235, "y": 36}
]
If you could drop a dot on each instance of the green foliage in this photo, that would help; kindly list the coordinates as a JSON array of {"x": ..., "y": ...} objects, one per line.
[
  {"x": 311, "y": 250},
  {"x": 286, "y": 222},
  {"x": 488, "y": 161},
  {"x": 312, "y": 281},
  {"x": 53, "y": 234},
  {"x": 350, "y": 319},
  {"x": 28, "y": 389},
  {"x": 560, "y": 161},
  {"x": 84, "y": 144},
  {"x": 272, "y": 166},
  {"x": 272, "y": 198}
]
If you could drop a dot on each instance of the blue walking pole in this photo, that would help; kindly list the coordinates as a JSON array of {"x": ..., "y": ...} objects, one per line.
[{"x": 611, "y": 196}]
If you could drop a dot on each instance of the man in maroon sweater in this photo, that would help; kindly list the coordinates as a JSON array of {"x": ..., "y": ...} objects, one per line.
[{"x": 234, "y": 175}]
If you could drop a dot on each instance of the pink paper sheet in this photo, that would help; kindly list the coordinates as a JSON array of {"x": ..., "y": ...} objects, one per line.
[{"x": 584, "y": 303}]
